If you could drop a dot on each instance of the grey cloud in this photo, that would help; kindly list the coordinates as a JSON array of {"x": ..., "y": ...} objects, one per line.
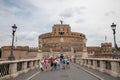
[
  {"x": 79, "y": 20},
  {"x": 16, "y": 8},
  {"x": 21, "y": 4},
  {"x": 70, "y": 12},
  {"x": 67, "y": 13},
  {"x": 79, "y": 10},
  {"x": 29, "y": 36},
  {"x": 4, "y": 34},
  {"x": 110, "y": 13},
  {"x": 82, "y": 7}
]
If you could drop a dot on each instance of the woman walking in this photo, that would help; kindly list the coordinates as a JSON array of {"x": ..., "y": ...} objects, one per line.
[
  {"x": 46, "y": 63},
  {"x": 41, "y": 66}
]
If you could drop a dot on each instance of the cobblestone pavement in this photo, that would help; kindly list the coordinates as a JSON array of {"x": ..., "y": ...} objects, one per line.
[
  {"x": 105, "y": 76},
  {"x": 25, "y": 76},
  {"x": 74, "y": 73}
]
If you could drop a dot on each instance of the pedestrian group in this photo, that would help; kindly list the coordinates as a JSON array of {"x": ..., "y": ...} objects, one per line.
[{"x": 57, "y": 63}]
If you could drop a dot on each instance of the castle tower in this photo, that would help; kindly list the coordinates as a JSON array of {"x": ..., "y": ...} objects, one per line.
[{"x": 62, "y": 39}]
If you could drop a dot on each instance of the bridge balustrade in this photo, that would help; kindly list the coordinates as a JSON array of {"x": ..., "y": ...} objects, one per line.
[
  {"x": 109, "y": 66},
  {"x": 4, "y": 69},
  {"x": 19, "y": 64},
  {"x": 11, "y": 69}
]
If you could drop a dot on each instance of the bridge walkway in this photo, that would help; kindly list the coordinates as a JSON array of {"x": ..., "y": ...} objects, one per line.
[{"x": 75, "y": 72}]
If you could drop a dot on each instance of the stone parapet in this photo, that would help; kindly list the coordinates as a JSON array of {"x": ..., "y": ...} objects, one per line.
[
  {"x": 19, "y": 52},
  {"x": 22, "y": 48},
  {"x": 12, "y": 69},
  {"x": 107, "y": 65}
]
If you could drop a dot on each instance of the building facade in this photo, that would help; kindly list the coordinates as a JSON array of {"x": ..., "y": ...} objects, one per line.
[
  {"x": 19, "y": 52},
  {"x": 103, "y": 51},
  {"x": 62, "y": 39}
]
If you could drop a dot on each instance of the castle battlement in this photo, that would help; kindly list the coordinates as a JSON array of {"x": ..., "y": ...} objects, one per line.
[
  {"x": 20, "y": 52},
  {"x": 60, "y": 25},
  {"x": 106, "y": 44},
  {"x": 26, "y": 48},
  {"x": 33, "y": 49}
]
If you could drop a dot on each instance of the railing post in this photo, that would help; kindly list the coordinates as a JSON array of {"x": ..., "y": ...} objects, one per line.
[
  {"x": 36, "y": 63},
  {"x": 109, "y": 66},
  {"x": 24, "y": 67},
  {"x": 79, "y": 62},
  {"x": 13, "y": 70},
  {"x": 102, "y": 66},
  {"x": 115, "y": 71},
  {"x": 31, "y": 65},
  {"x": 89, "y": 63},
  {"x": 94, "y": 64},
  {"x": 85, "y": 62},
  {"x": 82, "y": 62}
]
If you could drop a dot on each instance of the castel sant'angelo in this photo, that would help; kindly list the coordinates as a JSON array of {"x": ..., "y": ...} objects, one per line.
[
  {"x": 72, "y": 44},
  {"x": 62, "y": 39}
]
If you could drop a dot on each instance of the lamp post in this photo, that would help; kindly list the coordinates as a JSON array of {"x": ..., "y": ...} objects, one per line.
[
  {"x": 115, "y": 55},
  {"x": 11, "y": 57}
]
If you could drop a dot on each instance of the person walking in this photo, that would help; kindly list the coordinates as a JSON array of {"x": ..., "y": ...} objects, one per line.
[
  {"x": 51, "y": 63},
  {"x": 41, "y": 66},
  {"x": 46, "y": 63},
  {"x": 68, "y": 63},
  {"x": 58, "y": 63},
  {"x": 64, "y": 63},
  {"x": 55, "y": 63}
]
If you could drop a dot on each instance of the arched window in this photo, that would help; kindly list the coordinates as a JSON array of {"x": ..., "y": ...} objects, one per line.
[{"x": 61, "y": 33}]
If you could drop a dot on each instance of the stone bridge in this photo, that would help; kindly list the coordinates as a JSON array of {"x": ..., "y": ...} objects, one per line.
[{"x": 83, "y": 69}]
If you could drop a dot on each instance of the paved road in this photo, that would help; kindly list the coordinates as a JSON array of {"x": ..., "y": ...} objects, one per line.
[{"x": 74, "y": 73}]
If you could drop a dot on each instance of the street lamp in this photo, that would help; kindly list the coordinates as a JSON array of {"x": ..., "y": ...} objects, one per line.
[
  {"x": 115, "y": 56},
  {"x": 11, "y": 57}
]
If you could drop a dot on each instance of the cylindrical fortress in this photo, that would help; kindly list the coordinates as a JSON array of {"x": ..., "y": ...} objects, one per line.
[{"x": 62, "y": 39}]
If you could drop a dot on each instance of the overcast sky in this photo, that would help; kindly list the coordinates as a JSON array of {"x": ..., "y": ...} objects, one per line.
[{"x": 34, "y": 17}]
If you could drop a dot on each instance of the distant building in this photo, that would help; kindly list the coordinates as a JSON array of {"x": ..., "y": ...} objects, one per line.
[{"x": 105, "y": 51}]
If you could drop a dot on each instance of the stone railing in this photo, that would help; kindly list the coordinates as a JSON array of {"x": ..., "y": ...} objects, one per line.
[
  {"x": 109, "y": 66},
  {"x": 11, "y": 69}
]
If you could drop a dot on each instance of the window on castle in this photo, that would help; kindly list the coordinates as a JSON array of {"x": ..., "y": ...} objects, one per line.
[{"x": 61, "y": 33}]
